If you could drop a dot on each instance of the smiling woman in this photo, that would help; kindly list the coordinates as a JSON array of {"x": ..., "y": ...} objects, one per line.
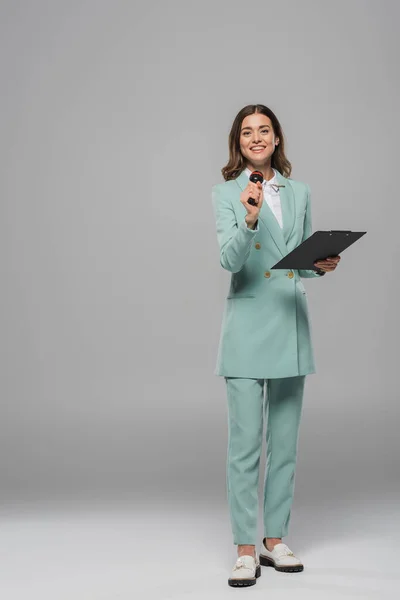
[
  {"x": 265, "y": 339},
  {"x": 266, "y": 134}
]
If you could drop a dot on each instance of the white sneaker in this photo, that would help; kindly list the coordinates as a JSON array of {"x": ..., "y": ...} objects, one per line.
[
  {"x": 281, "y": 558},
  {"x": 245, "y": 571}
]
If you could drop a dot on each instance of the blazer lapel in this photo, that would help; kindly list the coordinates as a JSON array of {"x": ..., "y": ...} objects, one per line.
[{"x": 267, "y": 217}]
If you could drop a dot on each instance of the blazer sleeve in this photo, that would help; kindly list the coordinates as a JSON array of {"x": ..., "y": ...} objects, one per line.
[
  {"x": 306, "y": 234},
  {"x": 234, "y": 239}
]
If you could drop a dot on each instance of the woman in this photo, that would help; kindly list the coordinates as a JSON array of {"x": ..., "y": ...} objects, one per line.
[{"x": 265, "y": 334}]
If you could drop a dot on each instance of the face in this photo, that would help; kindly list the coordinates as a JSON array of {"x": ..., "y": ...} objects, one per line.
[{"x": 257, "y": 140}]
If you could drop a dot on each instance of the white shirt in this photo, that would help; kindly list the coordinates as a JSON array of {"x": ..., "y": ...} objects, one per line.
[{"x": 271, "y": 196}]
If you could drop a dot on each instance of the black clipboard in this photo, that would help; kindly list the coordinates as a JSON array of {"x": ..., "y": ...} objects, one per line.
[{"x": 318, "y": 246}]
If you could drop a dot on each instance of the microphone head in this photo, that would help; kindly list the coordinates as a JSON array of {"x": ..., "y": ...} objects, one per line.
[{"x": 256, "y": 176}]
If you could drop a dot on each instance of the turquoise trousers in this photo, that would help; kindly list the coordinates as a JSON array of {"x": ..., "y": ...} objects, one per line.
[{"x": 247, "y": 411}]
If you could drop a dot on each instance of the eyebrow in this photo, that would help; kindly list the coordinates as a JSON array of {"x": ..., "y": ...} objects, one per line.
[{"x": 261, "y": 127}]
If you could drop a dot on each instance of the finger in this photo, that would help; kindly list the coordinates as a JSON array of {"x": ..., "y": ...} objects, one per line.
[
  {"x": 325, "y": 267},
  {"x": 255, "y": 194},
  {"x": 255, "y": 198},
  {"x": 254, "y": 190},
  {"x": 327, "y": 261}
]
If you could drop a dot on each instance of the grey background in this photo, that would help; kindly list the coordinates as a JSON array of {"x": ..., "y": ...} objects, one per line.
[{"x": 114, "y": 126}]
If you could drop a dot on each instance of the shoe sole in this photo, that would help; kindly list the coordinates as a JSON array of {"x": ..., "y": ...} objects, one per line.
[
  {"x": 268, "y": 562},
  {"x": 245, "y": 582}
]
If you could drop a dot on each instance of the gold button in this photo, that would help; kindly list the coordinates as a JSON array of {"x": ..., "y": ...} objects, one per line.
[
  {"x": 267, "y": 274},
  {"x": 258, "y": 246},
  {"x": 290, "y": 275}
]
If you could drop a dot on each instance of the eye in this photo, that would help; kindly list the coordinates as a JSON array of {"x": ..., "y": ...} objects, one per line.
[{"x": 263, "y": 131}]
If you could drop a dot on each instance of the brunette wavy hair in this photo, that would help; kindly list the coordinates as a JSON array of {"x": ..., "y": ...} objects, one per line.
[{"x": 236, "y": 163}]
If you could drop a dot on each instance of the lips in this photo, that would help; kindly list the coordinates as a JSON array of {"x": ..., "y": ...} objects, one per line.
[{"x": 257, "y": 148}]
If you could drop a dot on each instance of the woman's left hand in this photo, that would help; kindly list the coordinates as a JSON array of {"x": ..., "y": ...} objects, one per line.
[{"x": 329, "y": 264}]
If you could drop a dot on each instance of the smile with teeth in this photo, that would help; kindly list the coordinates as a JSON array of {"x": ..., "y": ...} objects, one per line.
[{"x": 257, "y": 148}]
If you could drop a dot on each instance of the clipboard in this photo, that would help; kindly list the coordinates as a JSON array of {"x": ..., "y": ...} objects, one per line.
[{"x": 318, "y": 246}]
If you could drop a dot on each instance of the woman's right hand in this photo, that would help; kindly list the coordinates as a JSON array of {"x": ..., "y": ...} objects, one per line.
[{"x": 252, "y": 190}]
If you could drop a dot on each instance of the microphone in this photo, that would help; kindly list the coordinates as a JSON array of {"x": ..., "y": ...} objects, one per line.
[{"x": 254, "y": 177}]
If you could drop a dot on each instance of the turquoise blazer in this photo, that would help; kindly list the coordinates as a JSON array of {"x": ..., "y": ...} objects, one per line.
[{"x": 266, "y": 330}]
